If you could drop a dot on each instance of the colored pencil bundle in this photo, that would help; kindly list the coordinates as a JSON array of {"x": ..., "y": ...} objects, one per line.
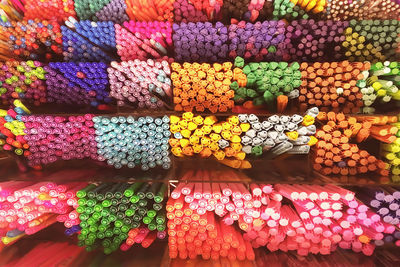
[
  {"x": 126, "y": 141},
  {"x": 197, "y": 10},
  {"x": 12, "y": 129},
  {"x": 145, "y": 84},
  {"x": 88, "y": 41},
  {"x": 258, "y": 41},
  {"x": 381, "y": 82},
  {"x": 209, "y": 137},
  {"x": 87, "y": 9},
  {"x": 332, "y": 86},
  {"x": 230, "y": 201},
  {"x": 202, "y": 86},
  {"x": 58, "y": 10},
  {"x": 54, "y": 137},
  {"x": 201, "y": 41},
  {"x": 114, "y": 11},
  {"x": 391, "y": 151},
  {"x": 372, "y": 40},
  {"x": 362, "y": 10},
  {"x": 288, "y": 9},
  {"x": 337, "y": 152},
  {"x": 22, "y": 80},
  {"x": 143, "y": 40},
  {"x": 277, "y": 135},
  {"x": 28, "y": 207},
  {"x": 194, "y": 232},
  {"x": 264, "y": 82},
  {"x": 36, "y": 40},
  {"x": 119, "y": 215},
  {"x": 322, "y": 219},
  {"x": 150, "y": 10},
  {"x": 384, "y": 200},
  {"x": 310, "y": 40},
  {"x": 132, "y": 43},
  {"x": 77, "y": 83}
]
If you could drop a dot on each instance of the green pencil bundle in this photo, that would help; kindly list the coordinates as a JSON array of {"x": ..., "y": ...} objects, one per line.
[
  {"x": 117, "y": 215},
  {"x": 380, "y": 85},
  {"x": 265, "y": 81}
]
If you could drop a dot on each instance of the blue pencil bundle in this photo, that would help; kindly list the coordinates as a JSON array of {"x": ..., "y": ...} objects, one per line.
[
  {"x": 88, "y": 41},
  {"x": 77, "y": 83}
]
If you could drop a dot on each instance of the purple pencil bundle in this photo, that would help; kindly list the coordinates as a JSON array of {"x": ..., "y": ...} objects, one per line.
[
  {"x": 200, "y": 41},
  {"x": 308, "y": 40},
  {"x": 258, "y": 41}
]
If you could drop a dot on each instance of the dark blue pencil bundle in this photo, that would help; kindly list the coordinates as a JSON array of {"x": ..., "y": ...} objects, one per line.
[
  {"x": 77, "y": 83},
  {"x": 89, "y": 41}
]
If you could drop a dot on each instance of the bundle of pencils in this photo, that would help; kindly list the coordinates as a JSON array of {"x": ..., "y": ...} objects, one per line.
[
  {"x": 88, "y": 41},
  {"x": 201, "y": 41},
  {"x": 257, "y": 41},
  {"x": 57, "y": 10},
  {"x": 337, "y": 152},
  {"x": 12, "y": 130},
  {"x": 311, "y": 40},
  {"x": 114, "y": 11},
  {"x": 391, "y": 151},
  {"x": 22, "y": 80},
  {"x": 197, "y": 231},
  {"x": 266, "y": 83},
  {"x": 144, "y": 84},
  {"x": 77, "y": 84},
  {"x": 315, "y": 7},
  {"x": 87, "y": 9},
  {"x": 197, "y": 10},
  {"x": 277, "y": 135},
  {"x": 362, "y": 10},
  {"x": 127, "y": 141},
  {"x": 332, "y": 86},
  {"x": 143, "y": 40},
  {"x": 202, "y": 86},
  {"x": 118, "y": 215},
  {"x": 203, "y": 191},
  {"x": 206, "y": 137},
  {"x": 380, "y": 83},
  {"x": 150, "y": 10},
  {"x": 28, "y": 207},
  {"x": 51, "y": 138},
  {"x": 372, "y": 40},
  {"x": 384, "y": 200},
  {"x": 36, "y": 40}
]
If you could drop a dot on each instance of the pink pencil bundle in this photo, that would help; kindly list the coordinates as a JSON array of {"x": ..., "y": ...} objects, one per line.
[
  {"x": 144, "y": 84},
  {"x": 54, "y": 137},
  {"x": 230, "y": 201},
  {"x": 321, "y": 219},
  {"x": 27, "y": 207},
  {"x": 137, "y": 40}
]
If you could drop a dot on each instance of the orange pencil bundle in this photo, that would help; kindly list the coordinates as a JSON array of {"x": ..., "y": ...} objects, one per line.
[
  {"x": 337, "y": 152},
  {"x": 202, "y": 86},
  {"x": 331, "y": 86},
  {"x": 59, "y": 10},
  {"x": 150, "y": 10}
]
